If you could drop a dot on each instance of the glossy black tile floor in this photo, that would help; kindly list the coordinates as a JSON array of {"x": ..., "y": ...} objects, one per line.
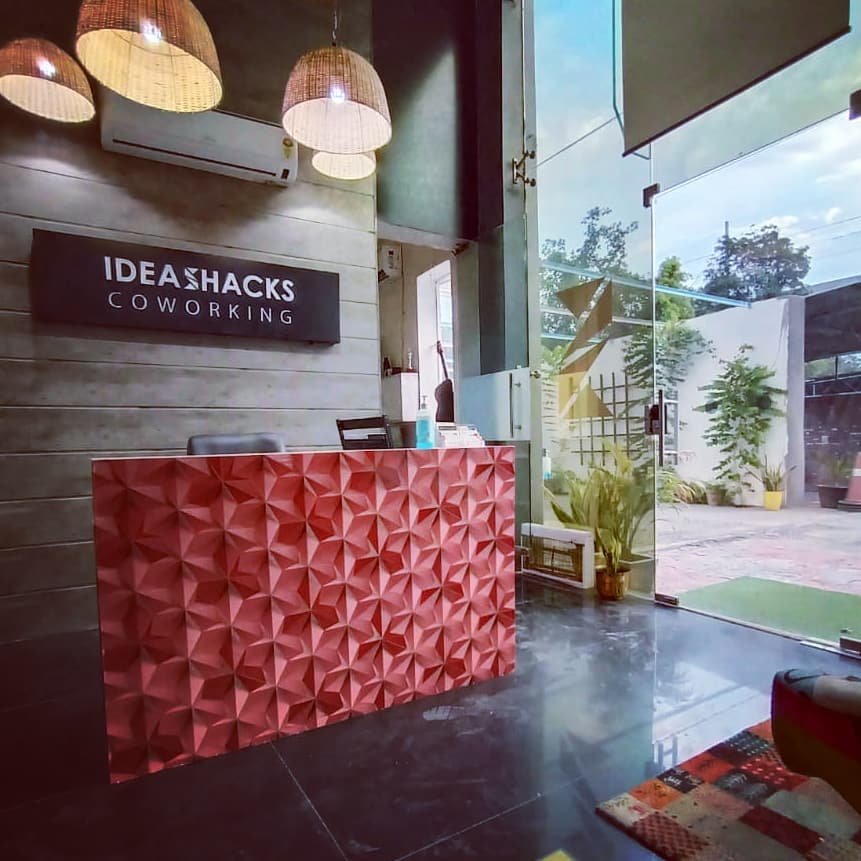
[{"x": 603, "y": 697}]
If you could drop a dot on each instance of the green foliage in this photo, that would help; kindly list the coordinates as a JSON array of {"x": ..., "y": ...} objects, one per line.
[
  {"x": 741, "y": 406},
  {"x": 835, "y": 469},
  {"x": 558, "y": 481},
  {"x": 773, "y": 478},
  {"x": 673, "y": 488},
  {"x": 671, "y": 309},
  {"x": 668, "y": 348},
  {"x": 719, "y": 489},
  {"x": 605, "y": 245},
  {"x": 612, "y": 503},
  {"x": 673, "y": 345},
  {"x": 759, "y": 264},
  {"x": 603, "y": 250},
  {"x": 553, "y": 359}
]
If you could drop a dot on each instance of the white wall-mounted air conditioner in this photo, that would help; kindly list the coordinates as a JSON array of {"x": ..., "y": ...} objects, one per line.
[{"x": 213, "y": 141}]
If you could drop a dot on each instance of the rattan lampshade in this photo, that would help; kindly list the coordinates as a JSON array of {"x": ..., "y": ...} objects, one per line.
[
  {"x": 351, "y": 166},
  {"x": 335, "y": 103},
  {"x": 156, "y": 52},
  {"x": 43, "y": 79}
]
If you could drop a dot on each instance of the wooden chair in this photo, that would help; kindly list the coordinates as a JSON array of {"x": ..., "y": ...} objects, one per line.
[{"x": 356, "y": 434}]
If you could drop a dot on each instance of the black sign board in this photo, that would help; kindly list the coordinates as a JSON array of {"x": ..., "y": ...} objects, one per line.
[{"x": 78, "y": 279}]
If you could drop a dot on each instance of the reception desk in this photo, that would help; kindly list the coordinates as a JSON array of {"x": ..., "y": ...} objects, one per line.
[{"x": 245, "y": 597}]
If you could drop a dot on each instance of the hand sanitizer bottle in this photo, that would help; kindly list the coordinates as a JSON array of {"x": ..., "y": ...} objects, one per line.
[
  {"x": 425, "y": 426},
  {"x": 546, "y": 465}
]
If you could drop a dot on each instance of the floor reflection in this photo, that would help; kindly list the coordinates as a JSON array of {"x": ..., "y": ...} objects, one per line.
[{"x": 604, "y": 696}]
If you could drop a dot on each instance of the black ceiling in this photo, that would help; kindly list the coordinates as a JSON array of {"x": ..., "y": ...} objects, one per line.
[{"x": 258, "y": 42}]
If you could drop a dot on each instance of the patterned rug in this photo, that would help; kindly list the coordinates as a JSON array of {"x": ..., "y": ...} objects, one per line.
[{"x": 736, "y": 802}]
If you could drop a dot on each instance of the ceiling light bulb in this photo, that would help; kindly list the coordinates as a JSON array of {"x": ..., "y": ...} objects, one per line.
[
  {"x": 324, "y": 78},
  {"x": 46, "y": 67},
  {"x": 159, "y": 53},
  {"x": 351, "y": 167},
  {"x": 39, "y": 77},
  {"x": 151, "y": 32}
]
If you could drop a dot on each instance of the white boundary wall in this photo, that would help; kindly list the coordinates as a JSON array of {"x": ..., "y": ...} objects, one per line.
[{"x": 775, "y": 330}]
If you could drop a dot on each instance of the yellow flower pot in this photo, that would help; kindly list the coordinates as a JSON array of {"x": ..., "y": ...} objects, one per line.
[{"x": 772, "y": 500}]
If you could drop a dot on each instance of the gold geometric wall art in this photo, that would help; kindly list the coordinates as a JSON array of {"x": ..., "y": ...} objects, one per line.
[
  {"x": 584, "y": 360},
  {"x": 577, "y": 298},
  {"x": 578, "y": 397},
  {"x": 587, "y": 405},
  {"x": 597, "y": 320}
]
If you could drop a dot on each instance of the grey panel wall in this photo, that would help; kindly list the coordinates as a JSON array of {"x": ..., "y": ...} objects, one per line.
[{"x": 68, "y": 394}]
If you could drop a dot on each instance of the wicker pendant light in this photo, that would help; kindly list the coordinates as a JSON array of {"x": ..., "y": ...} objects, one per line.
[
  {"x": 338, "y": 166},
  {"x": 41, "y": 78},
  {"x": 335, "y": 103},
  {"x": 159, "y": 53}
]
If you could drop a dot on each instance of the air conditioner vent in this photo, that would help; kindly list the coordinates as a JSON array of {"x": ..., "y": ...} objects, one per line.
[{"x": 213, "y": 141}]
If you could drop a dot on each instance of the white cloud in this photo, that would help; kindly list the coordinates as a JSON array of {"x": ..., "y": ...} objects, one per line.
[
  {"x": 775, "y": 186},
  {"x": 784, "y": 223}
]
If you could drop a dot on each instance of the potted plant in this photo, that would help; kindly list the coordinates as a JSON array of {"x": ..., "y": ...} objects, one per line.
[
  {"x": 741, "y": 403},
  {"x": 672, "y": 488},
  {"x": 716, "y": 493},
  {"x": 611, "y": 502},
  {"x": 835, "y": 470},
  {"x": 773, "y": 479}
]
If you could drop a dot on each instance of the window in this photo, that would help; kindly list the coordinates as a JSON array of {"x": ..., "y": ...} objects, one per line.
[
  {"x": 848, "y": 364},
  {"x": 435, "y": 323},
  {"x": 819, "y": 369},
  {"x": 445, "y": 319}
]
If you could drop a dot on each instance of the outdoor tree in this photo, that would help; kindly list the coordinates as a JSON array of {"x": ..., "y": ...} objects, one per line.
[
  {"x": 671, "y": 345},
  {"x": 741, "y": 403},
  {"x": 603, "y": 250},
  {"x": 759, "y": 264},
  {"x": 669, "y": 308}
]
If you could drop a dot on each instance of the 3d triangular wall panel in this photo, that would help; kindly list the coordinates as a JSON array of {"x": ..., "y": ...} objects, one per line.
[{"x": 246, "y": 597}]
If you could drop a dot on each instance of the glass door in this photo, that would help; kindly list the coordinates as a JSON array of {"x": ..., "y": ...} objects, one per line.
[
  {"x": 759, "y": 357},
  {"x": 595, "y": 300}
]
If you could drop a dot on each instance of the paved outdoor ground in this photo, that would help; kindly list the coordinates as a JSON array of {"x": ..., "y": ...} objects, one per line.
[{"x": 698, "y": 545}]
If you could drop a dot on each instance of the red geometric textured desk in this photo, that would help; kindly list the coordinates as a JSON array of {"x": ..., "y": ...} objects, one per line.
[{"x": 246, "y": 597}]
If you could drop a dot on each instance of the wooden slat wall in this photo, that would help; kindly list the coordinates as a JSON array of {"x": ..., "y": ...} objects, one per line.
[{"x": 71, "y": 393}]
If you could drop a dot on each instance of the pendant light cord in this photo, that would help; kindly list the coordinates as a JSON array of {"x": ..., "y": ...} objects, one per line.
[{"x": 335, "y": 22}]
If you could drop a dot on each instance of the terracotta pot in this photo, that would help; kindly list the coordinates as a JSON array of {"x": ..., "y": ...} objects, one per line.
[
  {"x": 772, "y": 500},
  {"x": 830, "y": 495},
  {"x": 611, "y": 587}
]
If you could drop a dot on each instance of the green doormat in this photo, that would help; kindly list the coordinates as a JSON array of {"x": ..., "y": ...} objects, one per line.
[{"x": 783, "y": 606}]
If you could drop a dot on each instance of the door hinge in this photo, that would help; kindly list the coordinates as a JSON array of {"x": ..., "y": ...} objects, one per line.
[{"x": 518, "y": 169}]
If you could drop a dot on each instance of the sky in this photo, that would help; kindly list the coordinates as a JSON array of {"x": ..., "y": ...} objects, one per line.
[{"x": 808, "y": 183}]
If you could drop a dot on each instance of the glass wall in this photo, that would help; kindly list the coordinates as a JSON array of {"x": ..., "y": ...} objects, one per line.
[
  {"x": 767, "y": 393},
  {"x": 595, "y": 290}
]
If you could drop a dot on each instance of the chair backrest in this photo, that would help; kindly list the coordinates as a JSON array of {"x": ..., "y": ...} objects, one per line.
[
  {"x": 235, "y": 443},
  {"x": 357, "y": 434}
]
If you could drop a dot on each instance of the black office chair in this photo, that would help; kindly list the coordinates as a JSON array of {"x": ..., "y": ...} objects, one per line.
[
  {"x": 235, "y": 443},
  {"x": 358, "y": 434}
]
